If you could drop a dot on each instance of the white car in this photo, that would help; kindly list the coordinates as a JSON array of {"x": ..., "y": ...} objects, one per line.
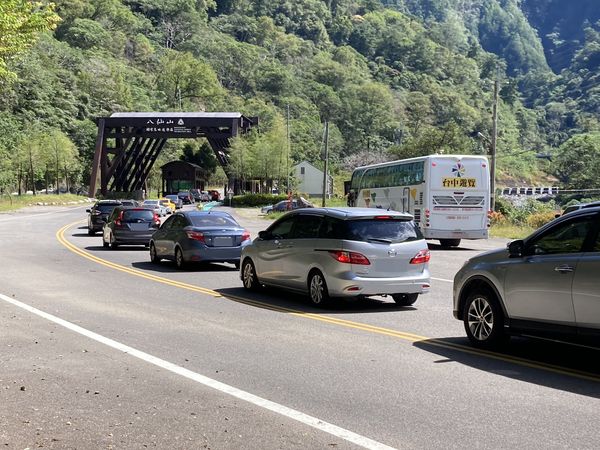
[{"x": 159, "y": 209}]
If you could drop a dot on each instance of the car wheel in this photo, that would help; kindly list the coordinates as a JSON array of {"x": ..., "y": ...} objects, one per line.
[
  {"x": 113, "y": 242},
  {"x": 91, "y": 232},
  {"x": 484, "y": 320},
  {"x": 405, "y": 299},
  {"x": 179, "y": 261},
  {"x": 317, "y": 289},
  {"x": 153, "y": 255},
  {"x": 249, "y": 278},
  {"x": 446, "y": 243}
]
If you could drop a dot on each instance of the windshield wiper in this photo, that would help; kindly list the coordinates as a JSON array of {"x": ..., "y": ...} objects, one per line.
[{"x": 385, "y": 241}]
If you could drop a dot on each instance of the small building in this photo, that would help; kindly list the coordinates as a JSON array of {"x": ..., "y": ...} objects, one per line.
[
  {"x": 310, "y": 180},
  {"x": 182, "y": 176}
]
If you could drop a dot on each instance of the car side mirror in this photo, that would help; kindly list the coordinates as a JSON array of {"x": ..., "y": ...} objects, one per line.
[
  {"x": 264, "y": 235},
  {"x": 516, "y": 248}
]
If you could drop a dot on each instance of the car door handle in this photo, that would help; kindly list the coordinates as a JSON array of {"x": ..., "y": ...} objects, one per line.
[{"x": 564, "y": 268}]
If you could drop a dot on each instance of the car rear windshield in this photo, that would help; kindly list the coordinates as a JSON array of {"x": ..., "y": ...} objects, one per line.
[
  {"x": 138, "y": 215},
  {"x": 106, "y": 208},
  {"x": 382, "y": 230},
  {"x": 213, "y": 221}
]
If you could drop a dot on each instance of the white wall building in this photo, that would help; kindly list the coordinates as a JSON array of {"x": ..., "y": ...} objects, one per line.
[{"x": 309, "y": 180}]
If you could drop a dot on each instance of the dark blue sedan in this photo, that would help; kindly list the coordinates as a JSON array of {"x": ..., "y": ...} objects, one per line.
[{"x": 199, "y": 236}]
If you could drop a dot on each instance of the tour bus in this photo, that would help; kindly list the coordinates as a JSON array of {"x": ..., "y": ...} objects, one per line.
[{"x": 448, "y": 195}]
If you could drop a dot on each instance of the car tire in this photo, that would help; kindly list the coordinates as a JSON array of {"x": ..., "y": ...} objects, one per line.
[
  {"x": 317, "y": 289},
  {"x": 154, "y": 258},
  {"x": 447, "y": 243},
  {"x": 249, "y": 277},
  {"x": 405, "y": 299},
  {"x": 113, "y": 242},
  {"x": 484, "y": 320},
  {"x": 179, "y": 261},
  {"x": 91, "y": 232}
]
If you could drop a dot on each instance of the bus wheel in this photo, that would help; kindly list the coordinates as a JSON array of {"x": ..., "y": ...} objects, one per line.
[{"x": 450, "y": 242}]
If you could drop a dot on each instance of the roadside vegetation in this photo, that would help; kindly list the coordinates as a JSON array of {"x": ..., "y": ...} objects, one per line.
[
  {"x": 394, "y": 79},
  {"x": 14, "y": 202}
]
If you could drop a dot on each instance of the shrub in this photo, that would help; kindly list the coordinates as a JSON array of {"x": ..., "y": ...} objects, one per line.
[
  {"x": 497, "y": 218},
  {"x": 256, "y": 199},
  {"x": 536, "y": 220},
  {"x": 503, "y": 206}
]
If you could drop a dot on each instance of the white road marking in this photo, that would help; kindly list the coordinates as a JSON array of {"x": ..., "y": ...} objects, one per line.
[
  {"x": 442, "y": 279},
  {"x": 209, "y": 382}
]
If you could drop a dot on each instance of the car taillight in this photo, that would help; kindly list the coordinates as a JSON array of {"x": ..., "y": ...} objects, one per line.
[
  {"x": 421, "y": 258},
  {"x": 382, "y": 217},
  {"x": 245, "y": 236},
  {"x": 156, "y": 219},
  {"x": 119, "y": 219},
  {"x": 349, "y": 257},
  {"x": 195, "y": 235}
]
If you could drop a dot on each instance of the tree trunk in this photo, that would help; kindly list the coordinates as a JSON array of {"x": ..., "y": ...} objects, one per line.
[
  {"x": 20, "y": 178},
  {"x": 31, "y": 172}
]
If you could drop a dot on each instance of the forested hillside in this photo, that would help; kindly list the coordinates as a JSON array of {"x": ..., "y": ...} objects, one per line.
[{"x": 394, "y": 78}]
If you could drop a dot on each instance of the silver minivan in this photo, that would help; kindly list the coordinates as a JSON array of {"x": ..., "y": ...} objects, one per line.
[
  {"x": 547, "y": 285},
  {"x": 340, "y": 252}
]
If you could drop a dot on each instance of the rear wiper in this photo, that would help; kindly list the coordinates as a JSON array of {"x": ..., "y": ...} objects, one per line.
[{"x": 385, "y": 241}]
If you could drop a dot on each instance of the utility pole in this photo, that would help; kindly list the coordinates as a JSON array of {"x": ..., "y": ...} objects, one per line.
[
  {"x": 325, "y": 180},
  {"x": 493, "y": 147},
  {"x": 287, "y": 166}
]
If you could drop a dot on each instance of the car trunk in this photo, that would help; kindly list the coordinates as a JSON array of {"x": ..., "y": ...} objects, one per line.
[{"x": 389, "y": 243}]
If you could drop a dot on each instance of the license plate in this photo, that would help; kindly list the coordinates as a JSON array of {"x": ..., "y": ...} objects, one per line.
[{"x": 222, "y": 241}]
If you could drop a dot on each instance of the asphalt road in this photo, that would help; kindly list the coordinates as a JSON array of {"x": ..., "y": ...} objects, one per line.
[{"x": 101, "y": 349}]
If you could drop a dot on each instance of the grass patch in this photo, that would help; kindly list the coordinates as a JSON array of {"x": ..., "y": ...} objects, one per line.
[
  {"x": 14, "y": 202},
  {"x": 510, "y": 231}
]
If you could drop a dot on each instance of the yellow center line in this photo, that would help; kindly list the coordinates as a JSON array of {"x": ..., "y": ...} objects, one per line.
[
  {"x": 410, "y": 337},
  {"x": 61, "y": 238}
]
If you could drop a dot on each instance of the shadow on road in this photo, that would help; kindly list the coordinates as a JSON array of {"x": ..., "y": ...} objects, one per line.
[
  {"x": 169, "y": 267},
  {"x": 276, "y": 298},
  {"x": 120, "y": 248},
  {"x": 461, "y": 248},
  {"x": 550, "y": 364}
]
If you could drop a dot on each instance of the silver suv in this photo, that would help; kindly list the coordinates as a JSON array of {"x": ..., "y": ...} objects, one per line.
[
  {"x": 547, "y": 285},
  {"x": 340, "y": 252}
]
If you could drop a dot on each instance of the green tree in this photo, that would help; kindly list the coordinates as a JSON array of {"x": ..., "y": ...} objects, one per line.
[
  {"x": 187, "y": 82},
  {"x": 20, "y": 23},
  {"x": 60, "y": 157},
  {"x": 202, "y": 156},
  {"x": 577, "y": 164}
]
